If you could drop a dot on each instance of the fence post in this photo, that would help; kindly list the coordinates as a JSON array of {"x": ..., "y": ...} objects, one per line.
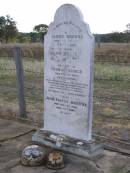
[
  {"x": 99, "y": 41},
  {"x": 20, "y": 81}
]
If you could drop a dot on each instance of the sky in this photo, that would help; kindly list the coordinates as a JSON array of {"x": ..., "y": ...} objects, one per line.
[{"x": 103, "y": 16}]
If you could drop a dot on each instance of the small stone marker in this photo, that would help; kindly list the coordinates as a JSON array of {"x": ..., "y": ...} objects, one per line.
[
  {"x": 68, "y": 79},
  {"x": 33, "y": 155}
]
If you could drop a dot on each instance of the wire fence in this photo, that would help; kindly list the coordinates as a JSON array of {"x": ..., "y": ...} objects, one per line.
[{"x": 111, "y": 88}]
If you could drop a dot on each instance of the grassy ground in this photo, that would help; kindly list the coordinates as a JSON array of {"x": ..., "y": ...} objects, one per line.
[
  {"x": 33, "y": 71},
  {"x": 111, "y": 87},
  {"x": 112, "y": 90},
  {"x": 112, "y": 71},
  {"x": 111, "y": 95}
]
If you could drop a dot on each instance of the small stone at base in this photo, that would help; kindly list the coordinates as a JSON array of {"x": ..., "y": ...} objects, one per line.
[
  {"x": 33, "y": 155},
  {"x": 79, "y": 143}
]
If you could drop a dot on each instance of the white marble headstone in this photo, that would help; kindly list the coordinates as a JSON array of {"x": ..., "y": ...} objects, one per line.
[{"x": 68, "y": 68}]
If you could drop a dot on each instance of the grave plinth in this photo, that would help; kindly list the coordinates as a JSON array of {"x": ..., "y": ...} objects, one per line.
[{"x": 68, "y": 84}]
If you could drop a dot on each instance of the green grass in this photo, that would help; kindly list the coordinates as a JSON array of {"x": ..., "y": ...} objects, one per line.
[
  {"x": 111, "y": 87},
  {"x": 112, "y": 71}
]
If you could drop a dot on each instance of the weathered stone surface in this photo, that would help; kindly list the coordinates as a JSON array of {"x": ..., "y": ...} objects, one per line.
[
  {"x": 86, "y": 149},
  {"x": 68, "y": 64},
  {"x": 33, "y": 155},
  {"x": 68, "y": 55}
]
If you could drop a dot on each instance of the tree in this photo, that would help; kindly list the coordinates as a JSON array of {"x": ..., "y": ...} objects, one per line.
[
  {"x": 33, "y": 37},
  {"x": 128, "y": 28},
  {"x": 127, "y": 31},
  {"x": 41, "y": 29},
  {"x": 8, "y": 29},
  {"x": 23, "y": 37},
  {"x": 2, "y": 28}
]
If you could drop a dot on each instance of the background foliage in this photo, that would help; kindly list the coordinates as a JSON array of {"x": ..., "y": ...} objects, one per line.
[{"x": 10, "y": 33}]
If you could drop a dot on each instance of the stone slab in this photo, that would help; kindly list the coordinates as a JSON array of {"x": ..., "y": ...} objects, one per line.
[
  {"x": 82, "y": 148},
  {"x": 68, "y": 74}
]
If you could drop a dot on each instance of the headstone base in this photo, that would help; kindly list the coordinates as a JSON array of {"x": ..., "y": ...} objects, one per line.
[{"x": 82, "y": 148}]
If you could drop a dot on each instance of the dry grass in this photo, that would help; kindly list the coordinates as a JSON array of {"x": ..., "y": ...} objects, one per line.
[
  {"x": 113, "y": 52},
  {"x": 111, "y": 87},
  {"x": 108, "y": 52},
  {"x": 28, "y": 50},
  {"x": 118, "y": 73}
]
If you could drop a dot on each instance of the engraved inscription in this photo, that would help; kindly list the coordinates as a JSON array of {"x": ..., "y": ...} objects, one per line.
[
  {"x": 64, "y": 54},
  {"x": 68, "y": 48}
]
